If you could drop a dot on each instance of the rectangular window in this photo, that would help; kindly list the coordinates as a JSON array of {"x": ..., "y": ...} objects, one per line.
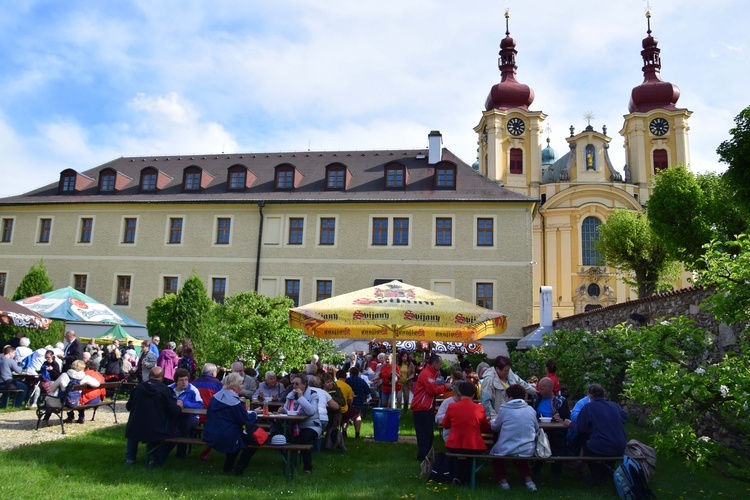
[
  {"x": 296, "y": 230},
  {"x": 80, "y": 281},
  {"x": 400, "y": 231},
  {"x": 87, "y": 225},
  {"x": 380, "y": 231},
  {"x": 128, "y": 235},
  {"x": 123, "y": 291},
  {"x": 68, "y": 183},
  {"x": 170, "y": 284},
  {"x": 175, "y": 230},
  {"x": 222, "y": 230},
  {"x": 218, "y": 289},
  {"x": 327, "y": 230},
  {"x": 323, "y": 289},
  {"x": 3, "y": 279},
  {"x": 285, "y": 179},
  {"x": 192, "y": 181},
  {"x": 7, "y": 230},
  {"x": 149, "y": 182},
  {"x": 446, "y": 178},
  {"x": 443, "y": 231},
  {"x": 484, "y": 295},
  {"x": 237, "y": 179},
  {"x": 660, "y": 160},
  {"x": 335, "y": 179},
  {"x": 485, "y": 232},
  {"x": 516, "y": 161},
  {"x": 108, "y": 182},
  {"x": 45, "y": 229},
  {"x": 394, "y": 178},
  {"x": 291, "y": 290}
]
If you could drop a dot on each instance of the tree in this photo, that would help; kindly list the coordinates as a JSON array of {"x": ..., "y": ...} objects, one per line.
[
  {"x": 726, "y": 267},
  {"x": 255, "y": 328},
  {"x": 36, "y": 282},
  {"x": 193, "y": 315},
  {"x": 627, "y": 243},
  {"x": 735, "y": 152},
  {"x": 686, "y": 211},
  {"x": 159, "y": 316}
]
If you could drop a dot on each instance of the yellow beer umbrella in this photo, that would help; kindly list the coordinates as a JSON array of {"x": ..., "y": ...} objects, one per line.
[{"x": 400, "y": 311}]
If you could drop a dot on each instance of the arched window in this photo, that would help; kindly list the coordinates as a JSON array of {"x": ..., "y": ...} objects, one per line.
[
  {"x": 236, "y": 178},
  {"x": 149, "y": 178},
  {"x": 284, "y": 177},
  {"x": 191, "y": 179},
  {"x": 516, "y": 161},
  {"x": 660, "y": 160},
  {"x": 336, "y": 177},
  {"x": 589, "y": 237},
  {"x": 395, "y": 176}
]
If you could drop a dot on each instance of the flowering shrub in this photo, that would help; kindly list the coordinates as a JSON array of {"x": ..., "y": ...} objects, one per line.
[{"x": 698, "y": 404}]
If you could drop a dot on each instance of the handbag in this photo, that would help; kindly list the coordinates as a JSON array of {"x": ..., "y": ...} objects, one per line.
[
  {"x": 543, "y": 449},
  {"x": 256, "y": 436}
]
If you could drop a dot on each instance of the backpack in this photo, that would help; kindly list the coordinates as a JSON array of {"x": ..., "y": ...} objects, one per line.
[
  {"x": 441, "y": 469},
  {"x": 185, "y": 364},
  {"x": 630, "y": 480},
  {"x": 73, "y": 398}
]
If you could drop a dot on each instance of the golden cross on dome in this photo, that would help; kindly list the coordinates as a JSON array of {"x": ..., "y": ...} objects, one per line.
[{"x": 589, "y": 115}]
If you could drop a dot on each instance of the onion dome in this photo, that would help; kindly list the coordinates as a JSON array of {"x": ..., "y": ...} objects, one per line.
[
  {"x": 508, "y": 93},
  {"x": 653, "y": 93},
  {"x": 549, "y": 155}
]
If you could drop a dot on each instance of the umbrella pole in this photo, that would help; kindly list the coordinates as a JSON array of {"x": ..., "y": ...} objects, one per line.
[{"x": 393, "y": 371}]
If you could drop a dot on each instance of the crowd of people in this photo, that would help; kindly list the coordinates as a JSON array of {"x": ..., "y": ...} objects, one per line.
[{"x": 477, "y": 401}]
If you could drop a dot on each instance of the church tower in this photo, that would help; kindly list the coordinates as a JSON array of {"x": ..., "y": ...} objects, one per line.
[
  {"x": 509, "y": 134},
  {"x": 655, "y": 130}
]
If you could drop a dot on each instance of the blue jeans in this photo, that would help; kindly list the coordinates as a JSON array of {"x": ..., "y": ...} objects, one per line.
[{"x": 19, "y": 396}]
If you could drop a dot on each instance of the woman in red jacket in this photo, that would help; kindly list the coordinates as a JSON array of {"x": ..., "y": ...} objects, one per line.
[{"x": 466, "y": 421}]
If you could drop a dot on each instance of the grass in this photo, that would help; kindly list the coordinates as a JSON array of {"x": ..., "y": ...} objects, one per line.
[{"x": 91, "y": 466}]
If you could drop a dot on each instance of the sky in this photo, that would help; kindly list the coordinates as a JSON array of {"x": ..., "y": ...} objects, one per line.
[{"x": 85, "y": 82}]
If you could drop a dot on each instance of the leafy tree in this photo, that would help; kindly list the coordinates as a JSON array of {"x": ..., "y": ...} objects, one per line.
[
  {"x": 193, "y": 315},
  {"x": 696, "y": 396},
  {"x": 255, "y": 328},
  {"x": 35, "y": 282},
  {"x": 735, "y": 152},
  {"x": 726, "y": 267},
  {"x": 686, "y": 211},
  {"x": 627, "y": 243},
  {"x": 159, "y": 315}
]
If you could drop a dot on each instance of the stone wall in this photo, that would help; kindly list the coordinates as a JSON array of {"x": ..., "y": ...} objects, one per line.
[{"x": 684, "y": 302}]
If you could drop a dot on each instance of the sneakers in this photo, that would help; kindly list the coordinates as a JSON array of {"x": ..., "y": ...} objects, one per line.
[
  {"x": 504, "y": 486},
  {"x": 531, "y": 486}
]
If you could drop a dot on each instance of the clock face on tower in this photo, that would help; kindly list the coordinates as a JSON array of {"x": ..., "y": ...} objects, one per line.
[
  {"x": 659, "y": 126},
  {"x": 516, "y": 126}
]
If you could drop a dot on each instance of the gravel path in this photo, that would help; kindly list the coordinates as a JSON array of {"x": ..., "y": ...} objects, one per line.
[{"x": 17, "y": 428}]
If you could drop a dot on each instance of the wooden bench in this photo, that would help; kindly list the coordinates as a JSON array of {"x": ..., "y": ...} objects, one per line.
[
  {"x": 55, "y": 404},
  {"x": 10, "y": 400},
  {"x": 289, "y": 452},
  {"x": 478, "y": 461}
]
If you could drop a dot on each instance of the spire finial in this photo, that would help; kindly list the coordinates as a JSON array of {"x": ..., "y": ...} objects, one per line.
[
  {"x": 507, "y": 17},
  {"x": 648, "y": 16}
]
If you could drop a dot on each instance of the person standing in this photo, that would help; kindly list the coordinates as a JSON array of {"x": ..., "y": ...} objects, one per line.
[
  {"x": 422, "y": 404},
  {"x": 406, "y": 376},
  {"x": 147, "y": 360},
  {"x": 167, "y": 360},
  {"x": 386, "y": 377},
  {"x": 154, "y": 347},
  {"x": 153, "y": 411},
  {"x": 73, "y": 351}
]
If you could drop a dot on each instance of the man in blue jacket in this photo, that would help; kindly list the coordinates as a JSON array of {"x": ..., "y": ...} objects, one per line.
[{"x": 600, "y": 427}]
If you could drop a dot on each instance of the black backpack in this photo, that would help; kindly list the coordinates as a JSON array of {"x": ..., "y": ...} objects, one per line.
[
  {"x": 630, "y": 481},
  {"x": 441, "y": 469},
  {"x": 186, "y": 365}
]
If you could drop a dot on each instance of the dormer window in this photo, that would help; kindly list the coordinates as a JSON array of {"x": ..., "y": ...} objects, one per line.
[
  {"x": 191, "y": 180},
  {"x": 148, "y": 180},
  {"x": 107, "y": 180},
  {"x": 395, "y": 177},
  {"x": 336, "y": 178},
  {"x": 284, "y": 177},
  {"x": 445, "y": 177},
  {"x": 68, "y": 183},
  {"x": 239, "y": 178}
]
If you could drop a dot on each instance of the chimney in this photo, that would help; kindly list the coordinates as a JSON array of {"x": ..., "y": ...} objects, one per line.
[
  {"x": 436, "y": 147},
  {"x": 545, "y": 306}
]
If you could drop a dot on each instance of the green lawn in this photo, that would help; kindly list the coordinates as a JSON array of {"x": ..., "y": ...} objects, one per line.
[{"x": 91, "y": 466}]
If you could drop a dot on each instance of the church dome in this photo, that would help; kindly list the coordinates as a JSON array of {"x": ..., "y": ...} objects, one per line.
[
  {"x": 509, "y": 93},
  {"x": 653, "y": 93},
  {"x": 549, "y": 155}
]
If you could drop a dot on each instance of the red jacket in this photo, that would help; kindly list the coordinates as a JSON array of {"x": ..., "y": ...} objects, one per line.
[
  {"x": 386, "y": 373},
  {"x": 426, "y": 389},
  {"x": 467, "y": 421},
  {"x": 95, "y": 392}
]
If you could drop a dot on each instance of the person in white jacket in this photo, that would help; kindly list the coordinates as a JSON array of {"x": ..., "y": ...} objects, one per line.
[{"x": 76, "y": 374}]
